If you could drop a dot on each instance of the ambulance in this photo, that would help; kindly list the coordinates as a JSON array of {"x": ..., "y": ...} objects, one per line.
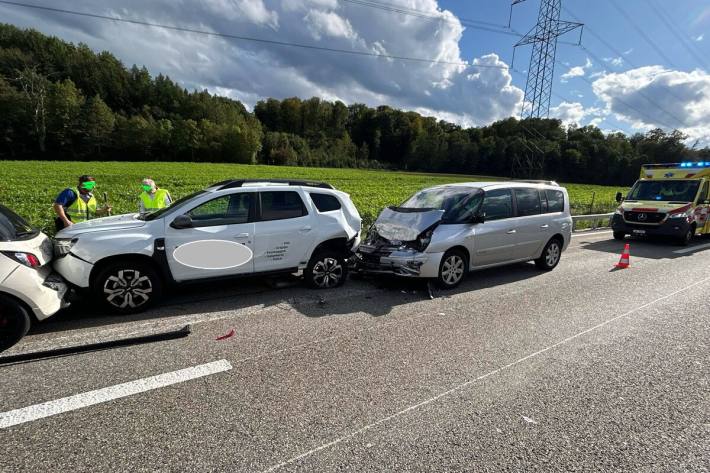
[{"x": 670, "y": 200}]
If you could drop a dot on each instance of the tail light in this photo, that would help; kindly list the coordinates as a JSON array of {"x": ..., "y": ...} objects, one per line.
[{"x": 28, "y": 259}]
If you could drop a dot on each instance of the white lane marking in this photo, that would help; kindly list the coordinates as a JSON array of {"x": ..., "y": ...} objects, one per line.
[
  {"x": 90, "y": 398},
  {"x": 590, "y": 233},
  {"x": 691, "y": 249},
  {"x": 480, "y": 378}
]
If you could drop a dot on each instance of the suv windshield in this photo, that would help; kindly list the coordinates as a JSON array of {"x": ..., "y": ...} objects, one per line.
[
  {"x": 665, "y": 191},
  {"x": 458, "y": 203},
  {"x": 13, "y": 227},
  {"x": 167, "y": 210}
]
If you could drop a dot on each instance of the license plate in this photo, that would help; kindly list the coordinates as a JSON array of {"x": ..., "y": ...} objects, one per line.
[{"x": 639, "y": 232}]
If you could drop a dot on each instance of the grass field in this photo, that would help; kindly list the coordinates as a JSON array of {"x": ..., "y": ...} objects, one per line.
[{"x": 29, "y": 187}]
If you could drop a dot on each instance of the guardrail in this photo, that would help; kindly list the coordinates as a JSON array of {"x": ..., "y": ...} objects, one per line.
[{"x": 596, "y": 219}]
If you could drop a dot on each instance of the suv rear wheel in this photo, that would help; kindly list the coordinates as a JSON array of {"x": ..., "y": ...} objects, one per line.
[
  {"x": 326, "y": 269},
  {"x": 550, "y": 255},
  {"x": 14, "y": 322},
  {"x": 128, "y": 287},
  {"x": 452, "y": 269}
]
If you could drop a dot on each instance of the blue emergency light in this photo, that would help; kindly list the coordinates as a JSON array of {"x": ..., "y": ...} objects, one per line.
[{"x": 699, "y": 164}]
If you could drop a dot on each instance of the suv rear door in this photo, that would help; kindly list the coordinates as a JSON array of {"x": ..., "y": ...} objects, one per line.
[
  {"x": 284, "y": 231},
  {"x": 495, "y": 239},
  {"x": 221, "y": 228}
]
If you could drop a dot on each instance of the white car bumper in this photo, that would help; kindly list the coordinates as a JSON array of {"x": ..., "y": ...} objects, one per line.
[
  {"x": 41, "y": 290},
  {"x": 74, "y": 270}
]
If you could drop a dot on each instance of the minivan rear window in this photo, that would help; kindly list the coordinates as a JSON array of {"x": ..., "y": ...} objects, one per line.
[
  {"x": 528, "y": 201},
  {"x": 555, "y": 201}
]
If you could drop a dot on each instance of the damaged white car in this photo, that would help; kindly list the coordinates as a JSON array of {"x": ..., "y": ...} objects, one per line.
[{"x": 444, "y": 232}]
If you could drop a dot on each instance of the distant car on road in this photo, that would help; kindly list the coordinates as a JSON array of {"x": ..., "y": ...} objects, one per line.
[
  {"x": 28, "y": 287},
  {"x": 446, "y": 231},
  {"x": 233, "y": 228}
]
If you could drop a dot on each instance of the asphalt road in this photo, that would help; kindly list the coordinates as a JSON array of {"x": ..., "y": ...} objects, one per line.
[{"x": 580, "y": 369}]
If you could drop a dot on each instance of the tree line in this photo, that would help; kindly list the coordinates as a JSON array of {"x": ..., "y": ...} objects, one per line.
[{"x": 62, "y": 101}]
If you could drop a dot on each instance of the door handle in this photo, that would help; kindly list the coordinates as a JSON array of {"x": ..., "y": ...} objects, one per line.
[
  {"x": 510, "y": 232},
  {"x": 241, "y": 235},
  {"x": 544, "y": 226},
  {"x": 306, "y": 229}
]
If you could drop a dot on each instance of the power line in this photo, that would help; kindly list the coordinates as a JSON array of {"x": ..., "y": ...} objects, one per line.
[
  {"x": 474, "y": 24},
  {"x": 642, "y": 33},
  {"x": 666, "y": 19},
  {"x": 613, "y": 49},
  {"x": 247, "y": 38}
]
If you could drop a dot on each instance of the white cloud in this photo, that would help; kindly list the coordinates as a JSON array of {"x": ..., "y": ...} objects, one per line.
[
  {"x": 322, "y": 23},
  {"x": 700, "y": 38},
  {"x": 576, "y": 71},
  {"x": 615, "y": 61},
  {"x": 628, "y": 51},
  {"x": 574, "y": 113},
  {"x": 653, "y": 96},
  {"x": 250, "y": 71}
]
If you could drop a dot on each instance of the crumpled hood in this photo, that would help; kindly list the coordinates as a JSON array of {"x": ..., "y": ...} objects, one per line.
[
  {"x": 116, "y": 222},
  {"x": 405, "y": 224}
]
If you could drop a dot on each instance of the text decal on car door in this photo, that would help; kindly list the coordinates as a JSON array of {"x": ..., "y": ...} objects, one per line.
[{"x": 213, "y": 254}]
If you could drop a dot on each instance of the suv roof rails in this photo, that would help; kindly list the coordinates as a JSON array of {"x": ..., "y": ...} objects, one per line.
[
  {"x": 533, "y": 181},
  {"x": 232, "y": 183}
]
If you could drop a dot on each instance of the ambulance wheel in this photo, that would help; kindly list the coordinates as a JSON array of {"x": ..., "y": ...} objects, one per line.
[
  {"x": 14, "y": 322},
  {"x": 688, "y": 237},
  {"x": 619, "y": 235}
]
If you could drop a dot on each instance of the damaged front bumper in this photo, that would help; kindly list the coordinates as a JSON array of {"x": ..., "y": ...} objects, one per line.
[{"x": 396, "y": 261}]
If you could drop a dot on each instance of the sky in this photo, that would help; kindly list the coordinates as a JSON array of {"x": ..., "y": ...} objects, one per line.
[{"x": 642, "y": 64}]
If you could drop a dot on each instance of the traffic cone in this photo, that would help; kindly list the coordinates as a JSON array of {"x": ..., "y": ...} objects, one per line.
[{"x": 625, "y": 260}]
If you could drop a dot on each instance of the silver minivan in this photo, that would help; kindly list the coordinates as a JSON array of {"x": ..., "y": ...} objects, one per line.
[{"x": 446, "y": 231}]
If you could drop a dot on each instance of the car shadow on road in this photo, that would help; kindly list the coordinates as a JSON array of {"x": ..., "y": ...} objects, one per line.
[
  {"x": 374, "y": 296},
  {"x": 651, "y": 248}
]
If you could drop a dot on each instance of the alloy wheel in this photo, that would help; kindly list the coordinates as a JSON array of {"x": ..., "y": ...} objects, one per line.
[
  {"x": 452, "y": 270},
  {"x": 552, "y": 256},
  {"x": 128, "y": 288},
  {"x": 327, "y": 273}
]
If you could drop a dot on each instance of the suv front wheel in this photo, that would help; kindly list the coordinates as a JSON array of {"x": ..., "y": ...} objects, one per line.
[
  {"x": 128, "y": 287},
  {"x": 326, "y": 269}
]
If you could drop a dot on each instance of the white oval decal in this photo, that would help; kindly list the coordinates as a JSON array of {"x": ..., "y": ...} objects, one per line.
[{"x": 212, "y": 254}]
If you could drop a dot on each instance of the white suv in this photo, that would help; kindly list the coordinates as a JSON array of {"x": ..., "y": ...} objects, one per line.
[
  {"x": 444, "y": 232},
  {"x": 233, "y": 228},
  {"x": 27, "y": 285}
]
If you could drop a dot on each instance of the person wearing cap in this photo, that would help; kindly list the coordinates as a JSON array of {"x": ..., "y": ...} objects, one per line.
[
  {"x": 153, "y": 198},
  {"x": 75, "y": 205}
]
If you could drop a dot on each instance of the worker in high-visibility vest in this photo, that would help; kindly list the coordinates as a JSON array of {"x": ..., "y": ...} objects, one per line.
[
  {"x": 153, "y": 198},
  {"x": 78, "y": 204}
]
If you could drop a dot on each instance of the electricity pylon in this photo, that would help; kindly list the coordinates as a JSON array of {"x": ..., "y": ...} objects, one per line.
[{"x": 543, "y": 36}]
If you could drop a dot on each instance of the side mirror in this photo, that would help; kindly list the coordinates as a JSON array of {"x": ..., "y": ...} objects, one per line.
[
  {"x": 182, "y": 221},
  {"x": 619, "y": 197},
  {"x": 478, "y": 218}
]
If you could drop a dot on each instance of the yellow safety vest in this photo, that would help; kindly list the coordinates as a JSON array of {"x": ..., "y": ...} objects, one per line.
[
  {"x": 80, "y": 211},
  {"x": 156, "y": 203}
]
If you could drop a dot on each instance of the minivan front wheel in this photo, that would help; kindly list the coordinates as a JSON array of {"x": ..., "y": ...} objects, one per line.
[
  {"x": 128, "y": 287},
  {"x": 14, "y": 322},
  {"x": 550, "y": 255},
  {"x": 452, "y": 269}
]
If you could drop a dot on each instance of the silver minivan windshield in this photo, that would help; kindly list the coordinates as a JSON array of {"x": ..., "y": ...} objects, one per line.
[{"x": 458, "y": 203}]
